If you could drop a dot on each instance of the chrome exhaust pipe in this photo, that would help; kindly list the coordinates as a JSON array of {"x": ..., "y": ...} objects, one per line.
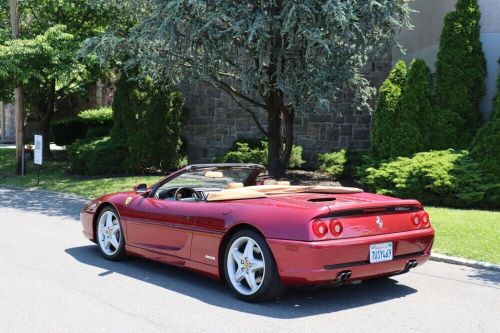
[
  {"x": 344, "y": 275},
  {"x": 411, "y": 264}
]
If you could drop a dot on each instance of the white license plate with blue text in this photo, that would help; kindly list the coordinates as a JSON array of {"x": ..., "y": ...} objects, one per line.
[{"x": 380, "y": 252}]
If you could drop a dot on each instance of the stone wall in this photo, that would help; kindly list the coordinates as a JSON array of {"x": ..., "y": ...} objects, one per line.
[
  {"x": 7, "y": 123},
  {"x": 216, "y": 121}
]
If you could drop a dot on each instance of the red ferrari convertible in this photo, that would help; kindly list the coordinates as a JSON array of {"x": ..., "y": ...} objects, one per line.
[{"x": 260, "y": 235}]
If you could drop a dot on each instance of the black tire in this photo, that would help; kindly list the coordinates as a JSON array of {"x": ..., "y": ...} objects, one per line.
[
  {"x": 271, "y": 285},
  {"x": 119, "y": 252}
]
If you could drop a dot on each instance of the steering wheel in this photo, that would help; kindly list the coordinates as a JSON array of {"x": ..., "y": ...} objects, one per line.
[{"x": 191, "y": 191}]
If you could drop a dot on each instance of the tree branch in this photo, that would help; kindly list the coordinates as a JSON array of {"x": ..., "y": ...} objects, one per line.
[
  {"x": 252, "y": 114},
  {"x": 231, "y": 90}
]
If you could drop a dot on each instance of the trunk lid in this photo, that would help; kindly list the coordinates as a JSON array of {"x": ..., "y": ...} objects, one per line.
[{"x": 361, "y": 214}]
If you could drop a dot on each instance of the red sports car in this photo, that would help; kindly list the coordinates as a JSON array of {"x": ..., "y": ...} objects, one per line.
[{"x": 260, "y": 235}]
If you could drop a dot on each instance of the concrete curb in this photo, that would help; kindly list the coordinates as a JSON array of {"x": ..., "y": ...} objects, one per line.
[{"x": 464, "y": 262}]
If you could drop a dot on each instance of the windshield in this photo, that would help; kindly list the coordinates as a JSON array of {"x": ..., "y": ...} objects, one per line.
[{"x": 211, "y": 178}]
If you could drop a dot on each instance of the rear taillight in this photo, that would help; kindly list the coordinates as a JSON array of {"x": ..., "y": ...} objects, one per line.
[
  {"x": 425, "y": 218},
  {"x": 319, "y": 228},
  {"x": 415, "y": 218},
  {"x": 336, "y": 227}
]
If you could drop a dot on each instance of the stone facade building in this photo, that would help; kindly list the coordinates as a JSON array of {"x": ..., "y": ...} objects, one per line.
[{"x": 215, "y": 122}]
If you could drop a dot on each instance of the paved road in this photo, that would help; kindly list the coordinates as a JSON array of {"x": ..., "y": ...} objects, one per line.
[{"x": 53, "y": 280}]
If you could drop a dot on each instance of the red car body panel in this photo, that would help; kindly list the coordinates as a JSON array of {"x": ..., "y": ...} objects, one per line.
[{"x": 192, "y": 234}]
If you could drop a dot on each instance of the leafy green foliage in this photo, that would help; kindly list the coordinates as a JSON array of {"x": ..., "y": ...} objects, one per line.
[
  {"x": 67, "y": 131},
  {"x": 333, "y": 163},
  {"x": 97, "y": 157},
  {"x": 99, "y": 121},
  {"x": 246, "y": 150},
  {"x": 447, "y": 177},
  {"x": 385, "y": 117},
  {"x": 461, "y": 68}
]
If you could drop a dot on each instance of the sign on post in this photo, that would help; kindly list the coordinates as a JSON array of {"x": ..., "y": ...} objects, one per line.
[
  {"x": 38, "y": 158},
  {"x": 38, "y": 149}
]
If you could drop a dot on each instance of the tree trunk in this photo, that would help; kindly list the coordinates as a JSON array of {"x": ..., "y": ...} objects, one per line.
[
  {"x": 47, "y": 118},
  {"x": 274, "y": 139},
  {"x": 280, "y": 135}
]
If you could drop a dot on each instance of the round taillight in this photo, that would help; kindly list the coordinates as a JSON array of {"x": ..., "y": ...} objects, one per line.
[
  {"x": 415, "y": 219},
  {"x": 336, "y": 227},
  {"x": 319, "y": 228},
  {"x": 425, "y": 218}
]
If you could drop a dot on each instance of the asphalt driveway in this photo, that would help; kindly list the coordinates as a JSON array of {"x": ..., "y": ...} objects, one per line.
[{"x": 53, "y": 280}]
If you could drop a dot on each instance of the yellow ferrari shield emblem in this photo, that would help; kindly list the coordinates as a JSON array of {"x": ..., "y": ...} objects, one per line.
[{"x": 127, "y": 201}]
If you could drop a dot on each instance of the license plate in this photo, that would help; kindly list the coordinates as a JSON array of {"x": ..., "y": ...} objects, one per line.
[{"x": 380, "y": 252}]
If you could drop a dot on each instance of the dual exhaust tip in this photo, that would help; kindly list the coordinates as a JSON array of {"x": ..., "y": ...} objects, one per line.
[
  {"x": 411, "y": 264},
  {"x": 344, "y": 276}
]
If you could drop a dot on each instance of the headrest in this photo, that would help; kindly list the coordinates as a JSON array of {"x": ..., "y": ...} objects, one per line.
[
  {"x": 214, "y": 174},
  {"x": 270, "y": 182},
  {"x": 234, "y": 185}
]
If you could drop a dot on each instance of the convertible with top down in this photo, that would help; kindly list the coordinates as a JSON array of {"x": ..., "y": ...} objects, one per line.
[{"x": 231, "y": 222}]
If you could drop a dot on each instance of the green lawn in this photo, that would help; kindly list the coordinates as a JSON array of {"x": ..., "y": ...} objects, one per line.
[
  {"x": 55, "y": 177},
  {"x": 472, "y": 234}
]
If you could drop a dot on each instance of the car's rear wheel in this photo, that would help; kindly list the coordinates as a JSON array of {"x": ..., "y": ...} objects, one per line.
[
  {"x": 250, "y": 269},
  {"x": 110, "y": 236}
]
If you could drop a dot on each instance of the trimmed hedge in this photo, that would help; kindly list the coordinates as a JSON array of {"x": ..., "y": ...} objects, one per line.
[
  {"x": 67, "y": 131},
  {"x": 97, "y": 157},
  {"x": 99, "y": 121},
  {"x": 92, "y": 123},
  {"x": 447, "y": 177},
  {"x": 251, "y": 150}
]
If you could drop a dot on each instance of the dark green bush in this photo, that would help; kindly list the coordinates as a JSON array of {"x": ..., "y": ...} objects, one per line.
[
  {"x": 461, "y": 68},
  {"x": 447, "y": 177},
  {"x": 97, "y": 157},
  {"x": 416, "y": 99},
  {"x": 245, "y": 150},
  {"x": 485, "y": 147},
  {"x": 333, "y": 163},
  {"x": 148, "y": 119},
  {"x": 385, "y": 117},
  {"x": 99, "y": 121},
  {"x": 67, "y": 131}
]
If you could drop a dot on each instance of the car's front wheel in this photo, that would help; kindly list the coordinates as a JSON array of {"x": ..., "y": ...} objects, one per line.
[
  {"x": 110, "y": 236},
  {"x": 250, "y": 269}
]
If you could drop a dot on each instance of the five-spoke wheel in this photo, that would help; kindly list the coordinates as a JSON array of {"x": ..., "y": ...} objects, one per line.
[
  {"x": 110, "y": 235},
  {"x": 250, "y": 269}
]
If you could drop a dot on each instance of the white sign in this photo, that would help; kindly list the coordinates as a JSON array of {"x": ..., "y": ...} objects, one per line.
[{"x": 38, "y": 149}]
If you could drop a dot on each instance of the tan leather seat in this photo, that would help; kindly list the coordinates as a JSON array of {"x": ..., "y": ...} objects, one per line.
[{"x": 234, "y": 185}]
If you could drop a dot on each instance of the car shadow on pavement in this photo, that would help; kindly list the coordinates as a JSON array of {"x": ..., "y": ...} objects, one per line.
[
  {"x": 43, "y": 202},
  {"x": 294, "y": 304}
]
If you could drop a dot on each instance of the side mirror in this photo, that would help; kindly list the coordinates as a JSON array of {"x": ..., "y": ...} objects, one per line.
[{"x": 141, "y": 189}]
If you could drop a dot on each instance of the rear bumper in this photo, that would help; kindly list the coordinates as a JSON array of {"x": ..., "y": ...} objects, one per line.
[{"x": 321, "y": 262}]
